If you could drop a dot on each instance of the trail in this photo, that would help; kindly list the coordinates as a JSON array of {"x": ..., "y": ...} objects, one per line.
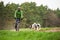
[
  {"x": 57, "y": 29},
  {"x": 53, "y": 30}
]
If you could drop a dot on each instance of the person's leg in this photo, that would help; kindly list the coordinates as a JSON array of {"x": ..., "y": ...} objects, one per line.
[{"x": 16, "y": 24}]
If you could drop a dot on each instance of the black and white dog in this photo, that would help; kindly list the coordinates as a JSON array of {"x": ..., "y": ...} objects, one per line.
[{"x": 35, "y": 26}]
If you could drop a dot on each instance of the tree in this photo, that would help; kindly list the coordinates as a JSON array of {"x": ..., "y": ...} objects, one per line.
[{"x": 2, "y": 20}]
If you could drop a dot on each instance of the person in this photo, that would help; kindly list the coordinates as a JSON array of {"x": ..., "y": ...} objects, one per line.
[{"x": 18, "y": 17}]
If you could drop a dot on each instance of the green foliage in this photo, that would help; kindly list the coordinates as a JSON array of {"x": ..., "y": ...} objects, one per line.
[
  {"x": 32, "y": 13},
  {"x": 57, "y": 12}
]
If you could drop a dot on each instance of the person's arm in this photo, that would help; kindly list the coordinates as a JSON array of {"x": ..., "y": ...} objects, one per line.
[
  {"x": 21, "y": 14},
  {"x": 15, "y": 14}
]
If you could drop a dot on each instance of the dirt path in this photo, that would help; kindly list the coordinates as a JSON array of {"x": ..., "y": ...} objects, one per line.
[{"x": 54, "y": 30}]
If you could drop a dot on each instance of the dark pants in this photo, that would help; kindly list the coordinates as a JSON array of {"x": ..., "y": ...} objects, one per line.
[{"x": 17, "y": 24}]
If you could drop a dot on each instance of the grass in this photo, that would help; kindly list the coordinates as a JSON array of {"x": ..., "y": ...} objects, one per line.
[{"x": 28, "y": 35}]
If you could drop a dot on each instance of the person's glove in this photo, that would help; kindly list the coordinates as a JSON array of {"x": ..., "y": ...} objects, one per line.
[
  {"x": 14, "y": 18},
  {"x": 22, "y": 18}
]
